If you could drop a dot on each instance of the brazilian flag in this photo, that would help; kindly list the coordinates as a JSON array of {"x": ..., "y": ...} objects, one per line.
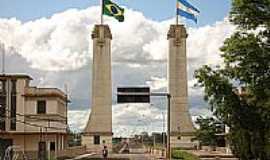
[{"x": 113, "y": 10}]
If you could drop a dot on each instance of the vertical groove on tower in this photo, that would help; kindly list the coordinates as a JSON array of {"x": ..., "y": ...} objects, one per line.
[
  {"x": 100, "y": 119},
  {"x": 182, "y": 129}
]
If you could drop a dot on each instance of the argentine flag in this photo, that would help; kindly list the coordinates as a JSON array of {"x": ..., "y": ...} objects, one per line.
[{"x": 185, "y": 9}]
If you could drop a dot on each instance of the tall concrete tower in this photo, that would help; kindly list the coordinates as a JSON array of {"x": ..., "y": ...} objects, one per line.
[
  {"x": 182, "y": 129},
  {"x": 98, "y": 131}
]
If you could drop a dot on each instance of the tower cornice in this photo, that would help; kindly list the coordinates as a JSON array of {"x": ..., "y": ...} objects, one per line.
[
  {"x": 98, "y": 33},
  {"x": 177, "y": 31}
]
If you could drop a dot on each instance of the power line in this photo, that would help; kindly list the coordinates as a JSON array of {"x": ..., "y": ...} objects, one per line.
[
  {"x": 42, "y": 119},
  {"x": 31, "y": 124},
  {"x": 32, "y": 118}
]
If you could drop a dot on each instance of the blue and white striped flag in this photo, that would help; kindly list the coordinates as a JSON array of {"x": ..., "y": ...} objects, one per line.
[{"x": 185, "y": 9}]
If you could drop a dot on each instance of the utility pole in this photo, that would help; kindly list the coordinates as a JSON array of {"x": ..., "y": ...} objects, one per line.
[
  {"x": 163, "y": 134},
  {"x": 67, "y": 101},
  {"x": 154, "y": 140},
  {"x": 168, "y": 95},
  {"x": 169, "y": 127}
]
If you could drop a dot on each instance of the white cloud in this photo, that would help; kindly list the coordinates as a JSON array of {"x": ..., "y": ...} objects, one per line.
[
  {"x": 58, "y": 43},
  {"x": 204, "y": 42},
  {"x": 157, "y": 83},
  {"x": 62, "y": 42},
  {"x": 130, "y": 119},
  {"x": 57, "y": 48},
  {"x": 77, "y": 119}
]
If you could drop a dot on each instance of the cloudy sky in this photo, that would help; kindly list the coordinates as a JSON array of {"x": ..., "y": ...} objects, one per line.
[{"x": 50, "y": 40}]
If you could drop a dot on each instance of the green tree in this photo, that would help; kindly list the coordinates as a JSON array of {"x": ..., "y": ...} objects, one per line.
[
  {"x": 208, "y": 131},
  {"x": 74, "y": 139},
  {"x": 239, "y": 92}
]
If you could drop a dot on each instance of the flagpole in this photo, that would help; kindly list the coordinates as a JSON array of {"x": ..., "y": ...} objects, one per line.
[
  {"x": 101, "y": 15},
  {"x": 177, "y": 17}
]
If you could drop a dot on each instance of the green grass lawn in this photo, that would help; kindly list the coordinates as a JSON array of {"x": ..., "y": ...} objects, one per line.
[{"x": 178, "y": 154}]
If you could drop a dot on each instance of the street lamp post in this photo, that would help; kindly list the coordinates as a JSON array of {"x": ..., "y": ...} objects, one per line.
[
  {"x": 169, "y": 128},
  {"x": 145, "y": 124},
  {"x": 168, "y": 155},
  {"x": 163, "y": 132}
]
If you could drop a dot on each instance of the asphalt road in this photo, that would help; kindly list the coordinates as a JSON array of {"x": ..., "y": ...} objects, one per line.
[{"x": 138, "y": 156}]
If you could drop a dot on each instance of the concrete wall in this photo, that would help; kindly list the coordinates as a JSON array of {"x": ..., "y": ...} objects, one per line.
[
  {"x": 51, "y": 105},
  {"x": 183, "y": 142},
  {"x": 21, "y": 83},
  {"x": 30, "y": 142},
  {"x": 55, "y": 110},
  {"x": 88, "y": 141},
  {"x": 61, "y": 108}
]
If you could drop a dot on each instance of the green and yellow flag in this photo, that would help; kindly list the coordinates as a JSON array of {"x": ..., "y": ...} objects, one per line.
[{"x": 113, "y": 10}]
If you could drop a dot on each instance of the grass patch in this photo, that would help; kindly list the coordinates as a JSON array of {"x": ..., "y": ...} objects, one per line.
[
  {"x": 178, "y": 154},
  {"x": 64, "y": 158}
]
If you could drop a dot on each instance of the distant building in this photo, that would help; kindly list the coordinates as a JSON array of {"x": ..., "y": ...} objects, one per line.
[{"x": 32, "y": 119}]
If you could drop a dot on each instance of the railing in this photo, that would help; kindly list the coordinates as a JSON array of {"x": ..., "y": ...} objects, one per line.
[{"x": 13, "y": 153}]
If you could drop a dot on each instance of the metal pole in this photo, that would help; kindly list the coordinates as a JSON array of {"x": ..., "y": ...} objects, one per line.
[
  {"x": 154, "y": 141},
  {"x": 168, "y": 154},
  {"x": 101, "y": 15},
  {"x": 142, "y": 140},
  {"x": 177, "y": 17},
  {"x": 67, "y": 100},
  {"x": 163, "y": 132},
  {"x": 169, "y": 128}
]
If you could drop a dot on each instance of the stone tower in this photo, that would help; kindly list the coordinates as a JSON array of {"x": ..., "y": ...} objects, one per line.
[
  {"x": 182, "y": 129},
  {"x": 98, "y": 131}
]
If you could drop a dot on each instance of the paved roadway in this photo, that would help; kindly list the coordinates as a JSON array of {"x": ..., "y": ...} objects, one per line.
[
  {"x": 135, "y": 156},
  {"x": 138, "y": 156}
]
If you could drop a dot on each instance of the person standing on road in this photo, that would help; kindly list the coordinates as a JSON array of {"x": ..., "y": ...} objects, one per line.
[{"x": 105, "y": 152}]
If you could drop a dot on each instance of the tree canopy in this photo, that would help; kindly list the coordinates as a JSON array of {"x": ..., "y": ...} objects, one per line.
[
  {"x": 209, "y": 131},
  {"x": 238, "y": 91}
]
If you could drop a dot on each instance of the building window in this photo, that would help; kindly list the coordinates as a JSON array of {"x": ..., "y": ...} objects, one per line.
[
  {"x": 96, "y": 139},
  {"x": 41, "y": 107},
  {"x": 52, "y": 146}
]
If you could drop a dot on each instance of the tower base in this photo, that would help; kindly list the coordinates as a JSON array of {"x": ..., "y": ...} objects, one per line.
[
  {"x": 184, "y": 141},
  {"x": 96, "y": 142}
]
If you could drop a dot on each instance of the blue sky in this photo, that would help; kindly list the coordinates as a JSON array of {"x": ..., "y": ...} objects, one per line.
[{"x": 25, "y": 10}]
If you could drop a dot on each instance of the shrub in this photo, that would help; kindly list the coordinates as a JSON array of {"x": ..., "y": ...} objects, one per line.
[{"x": 178, "y": 154}]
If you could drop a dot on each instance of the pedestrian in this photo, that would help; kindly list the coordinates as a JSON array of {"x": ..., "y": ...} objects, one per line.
[{"x": 105, "y": 152}]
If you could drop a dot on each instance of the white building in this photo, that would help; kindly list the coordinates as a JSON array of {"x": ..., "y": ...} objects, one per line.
[{"x": 33, "y": 119}]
